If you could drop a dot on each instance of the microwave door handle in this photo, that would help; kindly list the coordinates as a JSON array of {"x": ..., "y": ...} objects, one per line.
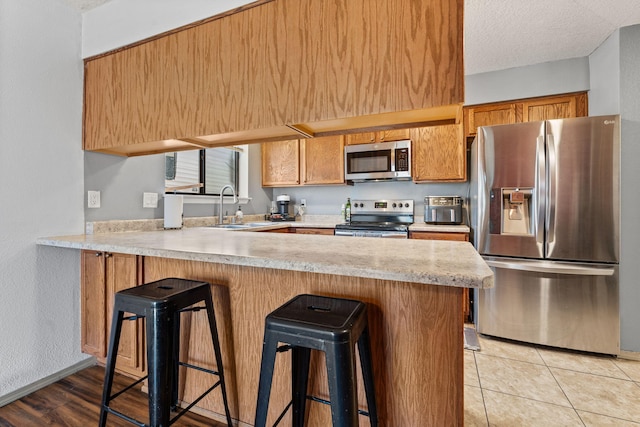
[{"x": 392, "y": 159}]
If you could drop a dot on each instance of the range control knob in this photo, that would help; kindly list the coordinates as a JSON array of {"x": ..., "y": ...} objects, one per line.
[
  {"x": 406, "y": 205},
  {"x": 394, "y": 205}
]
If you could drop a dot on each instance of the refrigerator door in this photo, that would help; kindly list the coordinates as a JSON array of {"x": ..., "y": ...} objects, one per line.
[
  {"x": 567, "y": 305},
  {"x": 584, "y": 189},
  {"x": 508, "y": 190}
]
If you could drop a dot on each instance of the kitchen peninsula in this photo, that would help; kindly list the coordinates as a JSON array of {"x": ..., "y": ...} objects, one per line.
[{"x": 414, "y": 289}]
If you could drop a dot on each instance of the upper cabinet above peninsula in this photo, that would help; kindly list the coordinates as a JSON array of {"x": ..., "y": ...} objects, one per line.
[{"x": 277, "y": 70}]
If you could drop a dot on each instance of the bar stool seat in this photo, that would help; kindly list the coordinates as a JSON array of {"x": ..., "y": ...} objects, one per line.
[
  {"x": 161, "y": 303},
  {"x": 331, "y": 325}
]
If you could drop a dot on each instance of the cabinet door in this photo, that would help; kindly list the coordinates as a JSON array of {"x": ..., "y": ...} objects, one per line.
[
  {"x": 561, "y": 107},
  {"x": 93, "y": 304},
  {"x": 432, "y": 235},
  {"x": 281, "y": 163},
  {"x": 381, "y": 136},
  {"x": 360, "y": 138},
  {"x": 322, "y": 231},
  {"x": 439, "y": 153},
  {"x": 393, "y": 135},
  {"x": 323, "y": 160},
  {"x": 489, "y": 115},
  {"x": 122, "y": 272}
]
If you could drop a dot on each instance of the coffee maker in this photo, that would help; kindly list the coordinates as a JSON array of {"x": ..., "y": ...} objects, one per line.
[{"x": 282, "y": 213}]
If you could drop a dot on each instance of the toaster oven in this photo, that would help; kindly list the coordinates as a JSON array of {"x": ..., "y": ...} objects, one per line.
[{"x": 443, "y": 210}]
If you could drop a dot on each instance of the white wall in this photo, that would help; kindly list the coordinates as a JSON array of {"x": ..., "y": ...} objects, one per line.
[
  {"x": 42, "y": 174},
  {"x": 122, "y": 22}
]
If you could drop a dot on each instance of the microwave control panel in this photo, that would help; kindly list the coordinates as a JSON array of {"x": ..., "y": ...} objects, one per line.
[{"x": 402, "y": 159}]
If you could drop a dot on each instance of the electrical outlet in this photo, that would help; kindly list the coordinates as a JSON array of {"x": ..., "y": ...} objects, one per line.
[
  {"x": 303, "y": 202},
  {"x": 149, "y": 200},
  {"x": 93, "y": 198}
]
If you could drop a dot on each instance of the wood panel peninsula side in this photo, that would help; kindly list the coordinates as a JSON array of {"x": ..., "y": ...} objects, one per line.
[{"x": 414, "y": 290}]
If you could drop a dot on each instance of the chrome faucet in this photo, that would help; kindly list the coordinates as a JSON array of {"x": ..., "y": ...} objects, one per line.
[{"x": 235, "y": 200}]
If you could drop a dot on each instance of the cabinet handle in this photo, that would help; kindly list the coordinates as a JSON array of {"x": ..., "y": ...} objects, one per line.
[
  {"x": 98, "y": 253},
  {"x": 107, "y": 254}
]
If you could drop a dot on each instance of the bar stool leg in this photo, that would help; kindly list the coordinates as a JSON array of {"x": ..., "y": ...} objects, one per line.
[
  {"x": 300, "y": 357},
  {"x": 364, "y": 349},
  {"x": 269, "y": 348},
  {"x": 216, "y": 349},
  {"x": 342, "y": 386},
  {"x": 114, "y": 340},
  {"x": 160, "y": 341},
  {"x": 175, "y": 361}
]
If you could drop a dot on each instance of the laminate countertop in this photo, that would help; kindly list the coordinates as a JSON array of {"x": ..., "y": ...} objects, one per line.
[{"x": 435, "y": 262}]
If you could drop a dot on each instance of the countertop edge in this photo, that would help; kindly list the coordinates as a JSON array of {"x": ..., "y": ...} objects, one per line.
[{"x": 473, "y": 275}]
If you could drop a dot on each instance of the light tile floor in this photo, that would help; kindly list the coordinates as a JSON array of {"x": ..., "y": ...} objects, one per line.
[{"x": 512, "y": 384}]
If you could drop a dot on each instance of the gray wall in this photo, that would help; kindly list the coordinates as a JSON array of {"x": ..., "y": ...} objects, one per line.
[
  {"x": 616, "y": 90},
  {"x": 123, "y": 180},
  {"x": 548, "y": 78},
  {"x": 630, "y": 235},
  {"x": 41, "y": 168}
]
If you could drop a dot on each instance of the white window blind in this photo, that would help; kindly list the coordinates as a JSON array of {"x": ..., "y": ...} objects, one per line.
[{"x": 220, "y": 168}]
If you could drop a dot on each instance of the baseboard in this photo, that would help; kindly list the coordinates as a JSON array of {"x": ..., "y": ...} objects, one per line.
[
  {"x": 43, "y": 382},
  {"x": 630, "y": 355}
]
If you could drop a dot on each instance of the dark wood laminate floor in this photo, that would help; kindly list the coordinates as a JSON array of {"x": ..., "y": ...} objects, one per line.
[{"x": 75, "y": 401}]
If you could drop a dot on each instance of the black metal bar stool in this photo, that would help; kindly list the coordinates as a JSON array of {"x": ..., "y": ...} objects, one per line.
[
  {"x": 161, "y": 303},
  {"x": 331, "y": 325}
]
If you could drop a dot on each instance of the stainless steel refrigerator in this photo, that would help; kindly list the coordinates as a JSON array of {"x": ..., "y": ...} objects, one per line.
[{"x": 545, "y": 216}]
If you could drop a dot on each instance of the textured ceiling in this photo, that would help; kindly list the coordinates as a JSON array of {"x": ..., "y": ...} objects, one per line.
[{"x": 501, "y": 34}]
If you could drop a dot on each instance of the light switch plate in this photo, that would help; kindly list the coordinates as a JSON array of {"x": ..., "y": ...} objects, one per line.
[
  {"x": 150, "y": 200},
  {"x": 93, "y": 199}
]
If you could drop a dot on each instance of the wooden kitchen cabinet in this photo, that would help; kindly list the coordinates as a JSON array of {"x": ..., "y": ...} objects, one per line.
[
  {"x": 375, "y": 137},
  {"x": 322, "y": 160},
  {"x": 313, "y": 161},
  {"x": 104, "y": 274},
  {"x": 438, "y": 154},
  {"x": 488, "y": 115},
  {"x": 281, "y": 163},
  {"x": 309, "y": 230},
  {"x": 433, "y": 235},
  {"x": 560, "y": 107},
  {"x": 264, "y": 69},
  {"x": 525, "y": 110}
]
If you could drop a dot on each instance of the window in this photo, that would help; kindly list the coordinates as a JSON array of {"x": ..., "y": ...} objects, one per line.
[{"x": 213, "y": 167}]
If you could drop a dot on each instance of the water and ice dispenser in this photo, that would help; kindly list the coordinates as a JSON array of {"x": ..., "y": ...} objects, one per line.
[{"x": 511, "y": 211}]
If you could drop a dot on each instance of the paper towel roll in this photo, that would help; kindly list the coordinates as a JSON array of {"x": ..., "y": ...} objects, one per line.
[{"x": 173, "y": 211}]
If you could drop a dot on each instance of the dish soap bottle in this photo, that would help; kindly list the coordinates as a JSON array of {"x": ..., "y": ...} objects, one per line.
[
  {"x": 239, "y": 216},
  {"x": 347, "y": 211}
]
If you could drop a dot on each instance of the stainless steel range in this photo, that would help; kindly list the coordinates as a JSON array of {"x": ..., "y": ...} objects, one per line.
[{"x": 378, "y": 218}]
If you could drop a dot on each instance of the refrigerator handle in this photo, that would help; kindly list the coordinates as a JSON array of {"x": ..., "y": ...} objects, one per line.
[
  {"x": 540, "y": 183},
  {"x": 551, "y": 200},
  {"x": 550, "y": 267}
]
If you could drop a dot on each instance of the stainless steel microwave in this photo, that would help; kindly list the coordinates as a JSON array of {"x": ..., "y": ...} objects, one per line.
[{"x": 378, "y": 162}]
